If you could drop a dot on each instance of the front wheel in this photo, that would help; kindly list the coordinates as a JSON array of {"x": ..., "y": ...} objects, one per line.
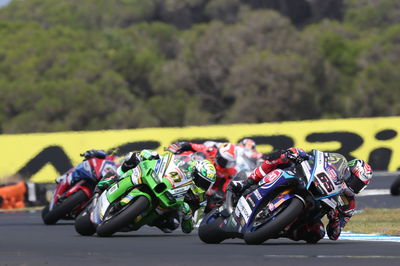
[
  {"x": 65, "y": 207},
  {"x": 83, "y": 224},
  {"x": 285, "y": 214},
  {"x": 395, "y": 187},
  {"x": 123, "y": 218},
  {"x": 210, "y": 231}
]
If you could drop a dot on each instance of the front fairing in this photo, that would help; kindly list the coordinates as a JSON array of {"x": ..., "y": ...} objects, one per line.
[
  {"x": 167, "y": 183},
  {"x": 324, "y": 175},
  {"x": 269, "y": 187},
  {"x": 170, "y": 170},
  {"x": 61, "y": 188}
]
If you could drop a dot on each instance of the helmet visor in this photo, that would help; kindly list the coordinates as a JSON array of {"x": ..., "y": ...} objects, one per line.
[
  {"x": 355, "y": 184},
  {"x": 201, "y": 181},
  {"x": 224, "y": 163}
]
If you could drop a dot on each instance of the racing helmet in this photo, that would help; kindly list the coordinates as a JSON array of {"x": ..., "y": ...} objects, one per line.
[
  {"x": 226, "y": 155},
  {"x": 247, "y": 144},
  {"x": 203, "y": 174},
  {"x": 360, "y": 175}
]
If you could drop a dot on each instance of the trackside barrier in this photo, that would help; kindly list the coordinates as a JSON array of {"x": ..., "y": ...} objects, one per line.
[
  {"x": 41, "y": 157},
  {"x": 23, "y": 194},
  {"x": 13, "y": 196}
]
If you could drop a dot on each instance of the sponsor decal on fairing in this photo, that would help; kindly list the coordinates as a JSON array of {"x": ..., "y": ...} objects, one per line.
[
  {"x": 136, "y": 175},
  {"x": 244, "y": 208},
  {"x": 113, "y": 188}
]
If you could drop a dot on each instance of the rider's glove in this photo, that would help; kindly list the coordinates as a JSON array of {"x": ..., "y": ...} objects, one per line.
[
  {"x": 296, "y": 155},
  {"x": 98, "y": 189},
  {"x": 237, "y": 187},
  {"x": 179, "y": 147},
  {"x": 105, "y": 182},
  {"x": 94, "y": 154}
]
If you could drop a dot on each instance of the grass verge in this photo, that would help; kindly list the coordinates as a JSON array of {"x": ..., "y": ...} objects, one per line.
[{"x": 379, "y": 221}]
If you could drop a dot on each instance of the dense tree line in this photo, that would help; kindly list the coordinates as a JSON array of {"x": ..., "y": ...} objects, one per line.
[{"x": 102, "y": 64}]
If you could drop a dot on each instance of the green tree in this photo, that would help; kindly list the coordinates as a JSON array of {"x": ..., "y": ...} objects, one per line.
[{"x": 370, "y": 14}]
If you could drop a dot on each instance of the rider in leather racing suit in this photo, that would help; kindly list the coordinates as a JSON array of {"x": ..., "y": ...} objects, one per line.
[
  {"x": 203, "y": 176},
  {"x": 313, "y": 231},
  {"x": 105, "y": 165},
  {"x": 222, "y": 155},
  {"x": 248, "y": 158}
]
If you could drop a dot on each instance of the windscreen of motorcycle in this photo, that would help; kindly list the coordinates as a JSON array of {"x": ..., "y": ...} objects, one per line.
[
  {"x": 176, "y": 174},
  {"x": 327, "y": 174}
]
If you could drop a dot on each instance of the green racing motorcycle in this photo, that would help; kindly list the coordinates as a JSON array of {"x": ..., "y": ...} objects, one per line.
[{"x": 137, "y": 198}]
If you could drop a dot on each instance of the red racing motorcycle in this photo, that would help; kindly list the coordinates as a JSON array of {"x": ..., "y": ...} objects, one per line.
[{"x": 75, "y": 188}]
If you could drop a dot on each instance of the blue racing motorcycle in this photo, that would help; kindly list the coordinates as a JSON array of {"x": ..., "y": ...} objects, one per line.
[{"x": 282, "y": 199}]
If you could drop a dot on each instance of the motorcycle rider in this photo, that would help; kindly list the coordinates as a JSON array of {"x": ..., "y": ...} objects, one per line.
[
  {"x": 201, "y": 171},
  {"x": 222, "y": 155},
  {"x": 248, "y": 158},
  {"x": 86, "y": 169},
  {"x": 360, "y": 175},
  {"x": 249, "y": 147}
]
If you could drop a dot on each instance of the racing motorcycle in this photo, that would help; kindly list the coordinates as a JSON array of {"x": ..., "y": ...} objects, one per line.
[
  {"x": 68, "y": 199},
  {"x": 282, "y": 199},
  {"x": 137, "y": 198}
]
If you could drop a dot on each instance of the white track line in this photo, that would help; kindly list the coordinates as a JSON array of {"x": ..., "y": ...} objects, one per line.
[
  {"x": 374, "y": 192},
  {"x": 367, "y": 237}
]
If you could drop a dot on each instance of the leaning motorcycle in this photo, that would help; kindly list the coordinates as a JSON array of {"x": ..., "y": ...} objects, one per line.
[
  {"x": 281, "y": 199},
  {"x": 69, "y": 200},
  {"x": 137, "y": 198}
]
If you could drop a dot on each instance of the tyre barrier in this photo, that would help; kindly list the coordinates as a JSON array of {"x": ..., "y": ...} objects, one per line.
[{"x": 23, "y": 194}]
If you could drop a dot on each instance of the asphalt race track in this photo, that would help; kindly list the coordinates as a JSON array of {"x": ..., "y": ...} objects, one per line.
[
  {"x": 25, "y": 240},
  {"x": 378, "y": 193}
]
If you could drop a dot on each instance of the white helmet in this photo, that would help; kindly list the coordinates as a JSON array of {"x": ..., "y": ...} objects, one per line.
[{"x": 360, "y": 175}]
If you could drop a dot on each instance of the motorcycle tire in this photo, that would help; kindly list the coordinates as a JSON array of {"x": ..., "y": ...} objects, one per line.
[
  {"x": 273, "y": 227},
  {"x": 45, "y": 211},
  {"x": 395, "y": 187},
  {"x": 124, "y": 218},
  {"x": 65, "y": 207},
  {"x": 211, "y": 233},
  {"x": 83, "y": 224}
]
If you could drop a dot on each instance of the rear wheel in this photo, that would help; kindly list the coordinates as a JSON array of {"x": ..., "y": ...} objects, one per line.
[
  {"x": 65, "y": 207},
  {"x": 282, "y": 216},
  {"x": 395, "y": 187},
  {"x": 123, "y": 218}
]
